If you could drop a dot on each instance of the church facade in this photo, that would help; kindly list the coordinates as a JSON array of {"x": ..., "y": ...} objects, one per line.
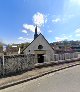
[{"x": 40, "y": 48}]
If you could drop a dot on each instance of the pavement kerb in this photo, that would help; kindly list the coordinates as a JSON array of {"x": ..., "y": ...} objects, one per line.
[{"x": 35, "y": 77}]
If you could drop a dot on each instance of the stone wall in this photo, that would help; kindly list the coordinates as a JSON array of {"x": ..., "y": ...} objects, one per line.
[
  {"x": 65, "y": 56},
  {"x": 16, "y": 63}
]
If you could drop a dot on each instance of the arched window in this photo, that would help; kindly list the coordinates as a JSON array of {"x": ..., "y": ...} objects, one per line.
[{"x": 40, "y": 47}]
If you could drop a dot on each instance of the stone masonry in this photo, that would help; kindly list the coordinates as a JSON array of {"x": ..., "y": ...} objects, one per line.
[{"x": 16, "y": 63}]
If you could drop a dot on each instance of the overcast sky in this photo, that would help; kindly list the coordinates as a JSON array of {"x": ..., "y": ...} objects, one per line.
[{"x": 56, "y": 19}]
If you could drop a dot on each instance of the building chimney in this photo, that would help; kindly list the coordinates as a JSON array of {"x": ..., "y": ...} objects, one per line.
[{"x": 35, "y": 35}]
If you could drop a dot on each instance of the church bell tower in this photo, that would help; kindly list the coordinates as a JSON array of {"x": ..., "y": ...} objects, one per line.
[{"x": 35, "y": 35}]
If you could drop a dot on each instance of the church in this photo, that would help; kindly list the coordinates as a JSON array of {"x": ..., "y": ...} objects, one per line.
[{"x": 41, "y": 49}]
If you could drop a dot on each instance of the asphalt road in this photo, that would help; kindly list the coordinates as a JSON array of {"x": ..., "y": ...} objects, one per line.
[{"x": 67, "y": 80}]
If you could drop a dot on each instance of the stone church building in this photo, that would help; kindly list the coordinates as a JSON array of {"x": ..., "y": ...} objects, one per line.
[{"x": 40, "y": 48}]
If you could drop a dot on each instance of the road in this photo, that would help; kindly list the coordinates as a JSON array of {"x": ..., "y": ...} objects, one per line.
[{"x": 67, "y": 80}]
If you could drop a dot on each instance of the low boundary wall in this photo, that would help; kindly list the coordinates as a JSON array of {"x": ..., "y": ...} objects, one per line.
[{"x": 15, "y": 64}]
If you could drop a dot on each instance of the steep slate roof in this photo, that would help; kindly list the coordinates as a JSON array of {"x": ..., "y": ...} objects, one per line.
[{"x": 35, "y": 39}]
